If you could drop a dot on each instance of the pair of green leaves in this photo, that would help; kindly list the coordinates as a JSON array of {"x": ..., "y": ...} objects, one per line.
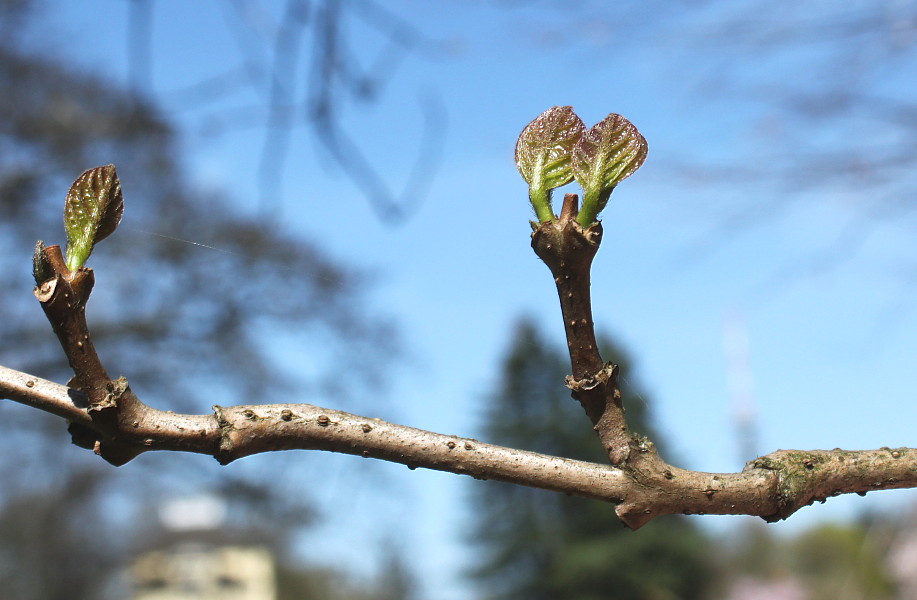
[{"x": 556, "y": 148}]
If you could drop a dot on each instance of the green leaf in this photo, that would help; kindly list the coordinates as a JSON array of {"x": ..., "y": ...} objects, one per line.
[
  {"x": 92, "y": 211},
  {"x": 610, "y": 152},
  {"x": 543, "y": 154}
]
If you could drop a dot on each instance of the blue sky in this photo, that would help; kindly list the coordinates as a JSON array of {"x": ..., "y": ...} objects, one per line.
[{"x": 830, "y": 350}]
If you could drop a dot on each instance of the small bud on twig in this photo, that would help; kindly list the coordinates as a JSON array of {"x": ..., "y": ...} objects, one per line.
[
  {"x": 41, "y": 266},
  {"x": 92, "y": 211}
]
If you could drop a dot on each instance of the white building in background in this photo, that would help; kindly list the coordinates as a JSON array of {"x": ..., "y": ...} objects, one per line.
[
  {"x": 197, "y": 559},
  {"x": 778, "y": 589},
  {"x": 902, "y": 557},
  {"x": 200, "y": 571}
]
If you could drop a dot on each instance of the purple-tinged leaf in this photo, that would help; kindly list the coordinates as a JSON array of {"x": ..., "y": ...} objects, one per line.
[
  {"x": 543, "y": 154},
  {"x": 607, "y": 154}
]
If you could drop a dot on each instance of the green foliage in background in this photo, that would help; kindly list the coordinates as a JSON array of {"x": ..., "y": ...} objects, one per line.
[{"x": 836, "y": 561}]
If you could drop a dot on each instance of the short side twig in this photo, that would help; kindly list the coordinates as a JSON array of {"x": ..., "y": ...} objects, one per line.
[{"x": 568, "y": 249}]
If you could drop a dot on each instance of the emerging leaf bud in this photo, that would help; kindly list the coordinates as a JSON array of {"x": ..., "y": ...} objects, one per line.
[
  {"x": 610, "y": 152},
  {"x": 543, "y": 154},
  {"x": 41, "y": 267},
  {"x": 92, "y": 211}
]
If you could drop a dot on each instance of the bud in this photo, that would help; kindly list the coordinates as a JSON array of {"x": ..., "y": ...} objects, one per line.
[
  {"x": 92, "y": 211},
  {"x": 41, "y": 266}
]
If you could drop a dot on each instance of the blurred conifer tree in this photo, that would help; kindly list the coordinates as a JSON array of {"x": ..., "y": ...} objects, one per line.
[{"x": 539, "y": 545}]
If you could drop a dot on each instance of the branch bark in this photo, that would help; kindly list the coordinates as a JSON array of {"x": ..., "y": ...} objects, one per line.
[
  {"x": 106, "y": 416},
  {"x": 568, "y": 249},
  {"x": 772, "y": 487}
]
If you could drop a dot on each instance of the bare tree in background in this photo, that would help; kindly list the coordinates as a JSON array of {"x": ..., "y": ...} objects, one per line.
[
  {"x": 827, "y": 102},
  {"x": 833, "y": 84},
  {"x": 303, "y": 64}
]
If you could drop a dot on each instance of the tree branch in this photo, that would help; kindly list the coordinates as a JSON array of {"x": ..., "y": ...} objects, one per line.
[
  {"x": 107, "y": 417},
  {"x": 568, "y": 250},
  {"x": 786, "y": 480},
  {"x": 772, "y": 487}
]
